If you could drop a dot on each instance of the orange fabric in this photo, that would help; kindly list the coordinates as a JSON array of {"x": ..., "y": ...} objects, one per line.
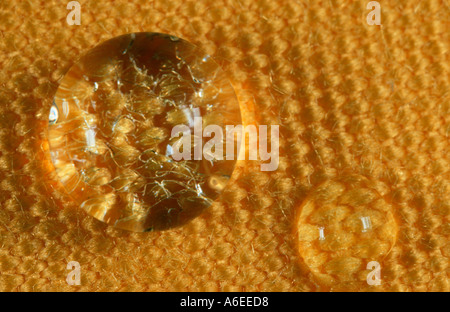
[{"x": 350, "y": 99}]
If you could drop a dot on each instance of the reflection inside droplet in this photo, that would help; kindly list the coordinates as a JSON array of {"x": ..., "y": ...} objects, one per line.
[
  {"x": 112, "y": 144},
  {"x": 321, "y": 233},
  {"x": 54, "y": 114},
  {"x": 367, "y": 224}
]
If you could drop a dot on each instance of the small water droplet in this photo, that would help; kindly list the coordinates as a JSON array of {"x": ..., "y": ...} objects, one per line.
[{"x": 342, "y": 223}]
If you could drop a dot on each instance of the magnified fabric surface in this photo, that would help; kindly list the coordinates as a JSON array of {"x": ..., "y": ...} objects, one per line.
[{"x": 364, "y": 122}]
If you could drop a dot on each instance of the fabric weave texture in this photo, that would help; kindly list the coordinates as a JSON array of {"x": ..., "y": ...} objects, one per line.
[{"x": 350, "y": 99}]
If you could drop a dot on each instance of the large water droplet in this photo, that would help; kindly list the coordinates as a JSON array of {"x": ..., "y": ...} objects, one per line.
[{"x": 110, "y": 130}]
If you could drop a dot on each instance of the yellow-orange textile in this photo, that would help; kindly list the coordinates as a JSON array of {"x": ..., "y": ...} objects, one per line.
[{"x": 350, "y": 99}]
